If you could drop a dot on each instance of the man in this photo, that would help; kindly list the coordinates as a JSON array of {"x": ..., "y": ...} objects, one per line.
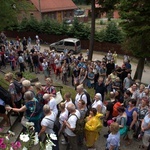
[
  {"x": 109, "y": 110},
  {"x": 127, "y": 82},
  {"x": 21, "y": 63},
  {"x": 80, "y": 95},
  {"x": 100, "y": 87},
  {"x": 71, "y": 125}
]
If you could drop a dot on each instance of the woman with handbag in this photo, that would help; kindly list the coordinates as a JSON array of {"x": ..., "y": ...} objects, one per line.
[
  {"x": 31, "y": 109},
  {"x": 47, "y": 125}
]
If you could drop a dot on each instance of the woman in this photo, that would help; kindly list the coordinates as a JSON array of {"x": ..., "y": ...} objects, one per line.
[
  {"x": 92, "y": 127},
  {"x": 51, "y": 102},
  {"x": 75, "y": 75},
  {"x": 97, "y": 104},
  {"x": 121, "y": 119},
  {"x": 15, "y": 97},
  {"x": 45, "y": 68},
  {"x": 119, "y": 96},
  {"x": 90, "y": 78},
  {"x": 39, "y": 93},
  {"x": 62, "y": 117},
  {"x": 31, "y": 108},
  {"x": 82, "y": 109},
  {"x": 47, "y": 124},
  {"x": 27, "y": 86},
  {"x": 145, "y": 128},
  {"x": 49, "y": 88},
  {"x": 108, "y": 84},
  {"x": 116, "y": 85},
  {"x": 64, "y": 70},
  {"x": 113, "y": 140},
  {"x": 83, "y": 75},
  {"x": 131, "y": 112},
  {"x": 141, "y": 111}
]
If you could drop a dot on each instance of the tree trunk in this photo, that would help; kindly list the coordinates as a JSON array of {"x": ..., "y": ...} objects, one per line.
[
  {"x": 139, "y": 69},
  {"x": 91, "y": 47}
]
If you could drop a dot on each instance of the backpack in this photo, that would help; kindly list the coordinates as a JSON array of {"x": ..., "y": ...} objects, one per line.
[
  {"x": 80, "y": 124},
  {"x": 5, "y": 95},
  {"x": 18, "y": 86},
  {"x": 89, "y": 103},
  {"x": 115, "y": 111},
  {"x": 56, "y": 125}
]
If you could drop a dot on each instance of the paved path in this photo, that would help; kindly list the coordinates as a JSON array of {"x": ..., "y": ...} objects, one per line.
[
  {"x": 100, "y": 145},
  {"x": 99, "y": 56}
]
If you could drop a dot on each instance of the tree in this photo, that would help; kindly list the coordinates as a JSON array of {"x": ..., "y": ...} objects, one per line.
[
  {"x": 136, "y": 24},
  {"x": 105, "y": 6},
  {"x": 113, "y": 34},
  {"x": 9, "y": 10},
  {"x": 91, "y": 47}
]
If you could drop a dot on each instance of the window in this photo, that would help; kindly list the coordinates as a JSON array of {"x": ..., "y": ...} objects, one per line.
[{"x": 69, "y": 44}]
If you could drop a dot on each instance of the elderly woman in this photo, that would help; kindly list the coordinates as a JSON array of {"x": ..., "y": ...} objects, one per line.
[
  {"x": 51, "y": 102},
  {"x": 31, "y": 108},
  {"x": 113, "y": 140},
  {"x": 39, "y": 93},
  {"x": 49, "y": 88},
  {"x": 145, "y": 127},
  {"x": 15, "y": 97},
  {"x": 62, "y": 117},
  {"x": 98, "y": 104},
  {"x": 27, "y": 86},
  {"x": 47, "y": 124}
]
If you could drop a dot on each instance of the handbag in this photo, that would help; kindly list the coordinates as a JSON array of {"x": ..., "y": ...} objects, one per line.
[
  {"x": 58, "y": 97},
  {"x": 24, "y": 119}
]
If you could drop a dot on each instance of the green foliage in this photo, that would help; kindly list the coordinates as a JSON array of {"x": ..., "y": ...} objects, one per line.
[
  {"x": 100, "y": 36},
  {"x": 136, "y": 24},
  {"x": 9, "y": 10},
  {"x": 112, "y": 33},
  {"x": 102, "y": 22},
  {"x": 28, "y": 75},
  {"x": 107, "y": 5},
  {"x": 78, "y": 29},
  {"x": 30, "y": 24}
]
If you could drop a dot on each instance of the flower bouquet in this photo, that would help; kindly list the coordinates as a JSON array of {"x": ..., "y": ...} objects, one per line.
[{"x": 48, "y": 144}]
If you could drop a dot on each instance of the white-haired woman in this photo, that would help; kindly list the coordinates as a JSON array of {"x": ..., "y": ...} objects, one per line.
[
  {"x": 31, "y": 108},
  {"x": 47, "y": 124},
  {"x": 27, "y": 86},
  {"x": 51, "y": 102},
  {"x": 98, "y": 104}
]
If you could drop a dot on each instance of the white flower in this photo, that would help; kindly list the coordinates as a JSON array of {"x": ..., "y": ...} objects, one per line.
[
  {"x": 7, "y": 138},
  {"x": 24, "y": 137},
  {"x": 29, "y": 124},
  {"x": 24, "y": 148},
  {"x": 48, "y": 146},
  {"x": 36, "y": 139},
  {"x": 53, "y": 136}
]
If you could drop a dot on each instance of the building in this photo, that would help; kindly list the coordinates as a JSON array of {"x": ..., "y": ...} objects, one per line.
[{"x": 54, "y": 9}]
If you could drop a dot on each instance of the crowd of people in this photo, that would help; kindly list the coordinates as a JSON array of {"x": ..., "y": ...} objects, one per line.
[{"x": 120, "y": 103}]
